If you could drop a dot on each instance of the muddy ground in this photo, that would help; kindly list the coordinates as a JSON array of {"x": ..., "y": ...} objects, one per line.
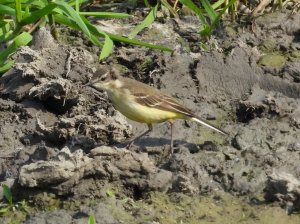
[{"x": 62, "y": 143}]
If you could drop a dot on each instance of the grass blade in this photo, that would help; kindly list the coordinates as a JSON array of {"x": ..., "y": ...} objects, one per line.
[
  {"x": 218, "y": 4},
  {"x": 74, "y": 16},
  {"x": 191, "y": 5},
  {"x": 21, "y": 40},
  {"x": 107, "y": 47},
  {"x": 77, "y": 5},
  {"x": 73, "y": 2},
  {"x": 4, "y": 210},
  {"x": 18, "y": 10},
  {"x": 7, "y": 10},
  {"x": 147, "y": 4},
  {"x": 170, "y": 8},
  {"x": 36, "y": 15},
  {"x": 6, "y": 2},
  {"x": 146, "y": 22},
  {"x": 64, "y": 20},
  {"x": 37, "y": 3},
  {"x": 5, "y": 67},
  {"x": 27, "y": 11},
  {"x": 137, "y": 42},
  {"x": 214, "y": 23},
  {"x": 91, "y": 220},
  {"x": 208, "y": 8},
  {"x": 5, "y": 31},
  {"x": 61, "y": 19},
  {"x": 7, "y": 194},
  {"x": 113, "y": 15},
  {"x": 99, "y": 33}
]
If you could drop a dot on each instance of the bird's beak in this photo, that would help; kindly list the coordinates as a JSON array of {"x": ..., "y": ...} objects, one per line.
[
  {"x": 96, "y": 83},
  {"x": 90, "y": 83}
]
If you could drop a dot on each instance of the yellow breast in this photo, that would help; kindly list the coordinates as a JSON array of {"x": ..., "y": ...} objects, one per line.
[{"x": 137, "y": 112}]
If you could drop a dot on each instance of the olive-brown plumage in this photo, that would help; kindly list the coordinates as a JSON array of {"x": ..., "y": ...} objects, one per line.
[{"x": 143, "y": 103}]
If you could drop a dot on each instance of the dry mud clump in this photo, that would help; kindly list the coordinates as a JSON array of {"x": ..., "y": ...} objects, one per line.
[{"x": 52, "y": 125}]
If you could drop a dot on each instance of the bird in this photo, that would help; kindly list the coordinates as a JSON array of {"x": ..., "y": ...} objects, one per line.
[{"x": 143, "y": 103}]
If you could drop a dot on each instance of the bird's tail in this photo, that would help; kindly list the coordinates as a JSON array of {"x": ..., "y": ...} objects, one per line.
[{"x": 205, "y": 123}]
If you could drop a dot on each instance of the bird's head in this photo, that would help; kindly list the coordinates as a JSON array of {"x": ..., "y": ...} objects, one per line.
[{"x": 107, "y": 81}]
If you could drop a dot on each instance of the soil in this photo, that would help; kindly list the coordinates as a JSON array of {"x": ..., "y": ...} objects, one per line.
[{"x": 62, "y": 143}]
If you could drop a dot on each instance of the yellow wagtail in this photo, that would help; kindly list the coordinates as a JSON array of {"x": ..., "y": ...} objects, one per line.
[{"x": 142, "y": 103}]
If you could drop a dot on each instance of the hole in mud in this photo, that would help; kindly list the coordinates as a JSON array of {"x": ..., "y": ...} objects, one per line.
[
  {"x": 297, "y": 36},
  {"x": 245, "y": 114},
  {"x": 137, "y": 193},
  {"x": 58, "y": 106}
]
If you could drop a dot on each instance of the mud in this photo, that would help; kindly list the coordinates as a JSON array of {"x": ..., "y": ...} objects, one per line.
[{"x": 62, "y": 143}]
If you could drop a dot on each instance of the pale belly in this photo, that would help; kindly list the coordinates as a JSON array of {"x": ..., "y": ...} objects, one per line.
[{"x": 143, "y": 114}]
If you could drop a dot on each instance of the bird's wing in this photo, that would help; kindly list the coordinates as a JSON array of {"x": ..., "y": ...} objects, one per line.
[{"x": 162, "y": 102}]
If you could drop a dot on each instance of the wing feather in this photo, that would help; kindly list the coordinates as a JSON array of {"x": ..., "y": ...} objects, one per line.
[{"x": 162, "y": 102}]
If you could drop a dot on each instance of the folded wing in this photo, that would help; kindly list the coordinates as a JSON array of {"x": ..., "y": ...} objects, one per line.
[{"x": 162, "y": 102}]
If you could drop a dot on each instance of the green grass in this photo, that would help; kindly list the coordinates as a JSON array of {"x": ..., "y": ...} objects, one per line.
[
  {"x": 9, "y": 206},
  {"x": 91, "y": 219},
  {"x": 19, "y": 18}
]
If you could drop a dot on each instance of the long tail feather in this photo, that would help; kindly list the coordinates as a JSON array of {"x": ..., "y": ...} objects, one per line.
[{"x": 205, "y": 123}]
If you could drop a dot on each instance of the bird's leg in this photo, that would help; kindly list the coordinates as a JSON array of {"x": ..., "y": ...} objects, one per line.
[
  {"x": 150, "y": 128},
  {"x": 172, "y": 141}
]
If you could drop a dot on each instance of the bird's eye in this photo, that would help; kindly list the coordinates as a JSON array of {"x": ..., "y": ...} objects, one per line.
[{"x": 114, "y": 73}]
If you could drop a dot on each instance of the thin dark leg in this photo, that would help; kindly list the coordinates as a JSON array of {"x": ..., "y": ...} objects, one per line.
[
  {"x": 150, "y": 128},
  {"x": 172, "y": 141}
]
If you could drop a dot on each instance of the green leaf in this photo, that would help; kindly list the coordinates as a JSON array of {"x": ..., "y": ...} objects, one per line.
[
  {"x": 21, "y": 40},
  {"x": 77, "y": 6},
  {"x": 64, "y": 20},
  {"x": 91, "y": 220},
  {"x": 98, "y": 32},
  {"x": 38, "y": 3},
  {"x": 5, "y": 36},
  {"x": 147, "y": 4},
  {"x": 27, "y": 11},
  {"x": 6, "y": 2},
  {"x": 170, "y": 8},
  {"x": 7, "y": 10},
  {"x": 214, "y": 23},
  {"x": 208, "y": 8},
  {"x": 74, "y": 16},
  {"x": 95, "y": 40},
  {"x": 113, "y": 15},
  {"x": 36, "y": 15},
  {"x": 146, "y": 22},
  {"x": 7, "y": 194},
  {"x": 137, "y": 42},
  {"x": 18, "y": 10},
  {"x": 107, "y": 47},
  {"x": 4, "y": 210},
  {"x": 5, "y": 28},
  {"x": 191, "y": 5},
  {"x": 5, "y": 67},
  {"x": 217, "y": 4},
  {"x": 110, "y": 193},
  {"x": 73, "y": 2}
]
